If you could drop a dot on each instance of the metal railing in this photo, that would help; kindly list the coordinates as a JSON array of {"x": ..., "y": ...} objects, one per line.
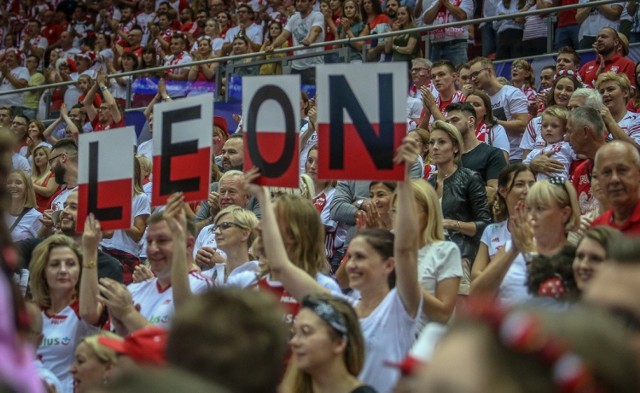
[{"x": 232, "y": 60}]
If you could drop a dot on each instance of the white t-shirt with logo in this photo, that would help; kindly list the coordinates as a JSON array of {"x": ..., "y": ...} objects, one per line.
[
  {"x": 58, "y": 202},
  {"x": 630, "y": 124},
  {"x": 560, "y": 151},
  {"x": 156, "y": 305},
  {"x": 254, "y": 33},
  {"x": 15, "y": 99},
  {"x": 532, "y": 138},
  {"x": 62, "y": 333},
  {"x": 513, "y": 289},
  {"x": 506, "y": 103}
]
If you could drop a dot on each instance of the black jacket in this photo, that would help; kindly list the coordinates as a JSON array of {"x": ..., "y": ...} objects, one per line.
[{"x": 464, "y": 198}]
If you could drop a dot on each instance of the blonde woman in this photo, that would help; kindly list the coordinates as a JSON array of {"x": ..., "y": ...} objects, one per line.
[
  {"x": 620, "y": 123},
  {"x": 22, "y": 217},
  {"x": 93, "y": 362},
  {"x": 44, "y": 181},
  {"x": 439, "y": 262}
]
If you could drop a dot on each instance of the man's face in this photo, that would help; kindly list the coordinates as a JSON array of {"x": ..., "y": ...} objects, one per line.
[
  {"x": 618, "y": 175},
  {"x": 565, "y": 61},
  {"x": 19, "y": 127},
  {"x": 160, "y": 249},
  {"x": 461, "y": 121},
  {"x": 176, "y": 46},
  {"x": 392, "y": 8},
  {"x": 76, "y": 114},
  {"x": 33, "y": 29},
  {"x": 606, "y": 42},
  {"x": 546, "y": 78},
  {"x": 302, "y": 6},
  {"x": 575, "y": 137},
  {"x": 216, "y": 6},
  {"x": 232, "y": 154},
  {"x": 465, "y": 76},
  {"x": 420, "y": 74},
  {"x": 443, "y": 78},
  {"x": 480, "y": 75},
  {"x": 134, "y": 37},
  {"x": 576, "y": 102},
  {"x": 185, "y": 16},
  {"x": 57, "y": 166},
  {"x": 69, "y": 214},
  {"x": 5, "y": 118},
  {"x": 126, "y": 15},
  {"x": 104, "y": 114},
  {"x": 232, "y": 193},
  {"x": 243, "y": 14},
  {"x": 163, "y": 22}
]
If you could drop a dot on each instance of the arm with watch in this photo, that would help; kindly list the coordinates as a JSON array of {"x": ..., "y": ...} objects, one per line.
[
  {"x": 91, "y": 310},
  {"x": 108, "y": 98}
]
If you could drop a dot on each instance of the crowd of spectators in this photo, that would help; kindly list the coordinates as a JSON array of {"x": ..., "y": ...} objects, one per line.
[{"x": 510, "y": 243}]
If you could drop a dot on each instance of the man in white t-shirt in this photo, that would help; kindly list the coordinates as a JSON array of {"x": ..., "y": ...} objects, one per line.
[
  {"x": 178, "y": 55},
  {"x": 153, "y": 302},
  {"x": 246, "y": 25},
  {"x": 509, "y": 103},
  {"x": 12, "y": 76},
  {"x": 307, "y": 27},
  {"x": 64, "y": 165}
]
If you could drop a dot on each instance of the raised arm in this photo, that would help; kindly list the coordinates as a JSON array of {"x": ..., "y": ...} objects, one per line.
[
  {"x": 91, "y": 110},
  {"x": 406, "y": 243},
  {"x": 90, "y": 308},
  {"x": 295, "y": 280},
  {"x": 108, "y": 98},
  {"x": 177, "y": 222}
]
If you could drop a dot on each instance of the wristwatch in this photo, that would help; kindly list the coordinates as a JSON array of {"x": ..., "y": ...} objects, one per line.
[{"x": 359, "y": 204}]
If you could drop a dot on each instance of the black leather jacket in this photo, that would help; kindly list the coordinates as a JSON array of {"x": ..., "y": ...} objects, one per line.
[{"x": 464, "y": 198}]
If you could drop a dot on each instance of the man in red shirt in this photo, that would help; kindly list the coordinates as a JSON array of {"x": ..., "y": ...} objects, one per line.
[
  {"x": 609, "y": 58},
  {"x": 108, "y": 115},
  {"x": 618, "y": 167},
  {"x": 585, "y": 133}
]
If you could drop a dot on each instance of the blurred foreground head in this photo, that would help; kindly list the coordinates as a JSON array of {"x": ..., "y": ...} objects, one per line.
[{"x": 233, "y": 337}]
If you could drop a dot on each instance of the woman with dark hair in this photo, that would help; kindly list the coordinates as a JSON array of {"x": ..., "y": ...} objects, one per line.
[
  {"x": 487, "y": 128},
  {"x": 403, "y": 47},
  {"x": 352, "y": 26},
  {"x": 241, "y": 46},
  {"x": 383, "y": 271},
  {"x": 492, "y": 272},
  {"x": 35, "y": 131},
  {"x": 378, "y": 22},
  {"x": 273, "y": 31},
  {"x": 120, "y": 90},
  {"x": 563, "y": 87},
  {"x": 327, "y": 348},
  {"x": 552, "y": 277}
]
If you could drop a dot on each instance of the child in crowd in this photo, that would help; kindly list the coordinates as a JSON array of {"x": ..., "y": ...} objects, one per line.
[
  {"x": 84, "y": 84},
  {"x": 554, "y": 123}
]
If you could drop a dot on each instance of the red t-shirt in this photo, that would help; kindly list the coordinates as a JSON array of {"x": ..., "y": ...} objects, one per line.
[
  {"x": 568, "y": 17},
  {"x": 618, "y": 64},
  {"x": 98, "y": 126},
  {"x": 581, "y": 180},
  {"x": 631, "y": 227},
  {"x": 289, "y": 303}
]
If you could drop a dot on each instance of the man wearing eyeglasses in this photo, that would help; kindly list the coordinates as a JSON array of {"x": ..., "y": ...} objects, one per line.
[
  {"x": 245, "y": 26},
  {"x": 617, "y": 166},
  {"x": 509, "y": 103}
]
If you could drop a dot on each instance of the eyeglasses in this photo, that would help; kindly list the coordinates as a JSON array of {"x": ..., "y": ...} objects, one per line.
[
  {"x": 223, "y": 226},
  {"x": 475, "y": 74},
  {"x": 54, "y": 157}
]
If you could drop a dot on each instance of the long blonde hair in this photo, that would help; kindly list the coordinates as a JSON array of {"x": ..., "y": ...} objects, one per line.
[{"x": 29, "y": 192}]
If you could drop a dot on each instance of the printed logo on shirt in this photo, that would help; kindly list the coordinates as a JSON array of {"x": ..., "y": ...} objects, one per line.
[
  {"x": 58, "y": 319},
  {"x": 52, "y": 341},
  {"x": 584, "y": 179},
  {"x": 159, "y": 319},
  {"x": 615, "y": 68}
]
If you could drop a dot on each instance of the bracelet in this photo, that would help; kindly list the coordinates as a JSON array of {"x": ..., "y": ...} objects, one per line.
[
  {"x": 458, "y": 225},
  {"x": 89, "y": 265},
  {"x": 103, "y": 88}
]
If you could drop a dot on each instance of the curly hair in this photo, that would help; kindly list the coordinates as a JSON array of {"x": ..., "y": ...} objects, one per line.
[{"x": 559, "y": 265}]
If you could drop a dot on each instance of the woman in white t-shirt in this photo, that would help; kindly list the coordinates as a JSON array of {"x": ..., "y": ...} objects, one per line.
[
  {"x": 23, "y": 217},
  {"x": 124, "y": 244},
  {"x": 64, "y": 284},
  {"x": 439, "y": 261},
  {"x": 384, "y": 273},
  {"x": 233, "y": 229},
  {"x": 492, "y": 270}
]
